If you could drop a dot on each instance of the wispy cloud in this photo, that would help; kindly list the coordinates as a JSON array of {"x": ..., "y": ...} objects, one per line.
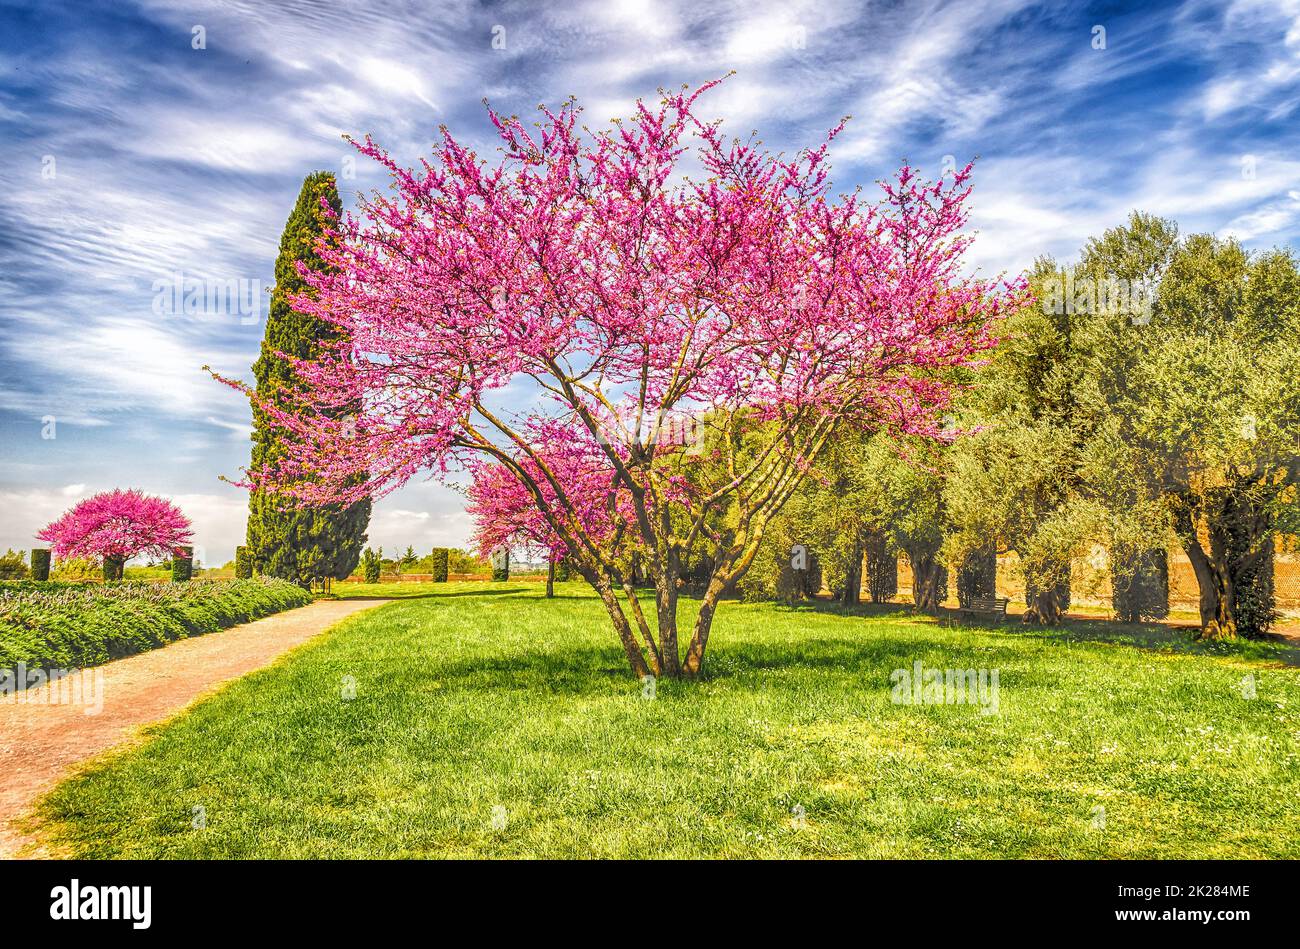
[{"x": 133, "y": 156}]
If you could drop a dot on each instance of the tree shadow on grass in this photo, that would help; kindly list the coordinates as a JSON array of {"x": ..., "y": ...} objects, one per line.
[
  {"x": 1162, "y": 638},
  {"x": 1157, "y": 637},
  {"x": 594, "y": 670}
]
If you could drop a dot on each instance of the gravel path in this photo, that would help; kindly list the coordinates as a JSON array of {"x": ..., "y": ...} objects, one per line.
[{"x": 41, "y": 744}]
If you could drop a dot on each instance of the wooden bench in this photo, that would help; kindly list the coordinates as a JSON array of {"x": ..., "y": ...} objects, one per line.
[{"x": 986, "y": 606}]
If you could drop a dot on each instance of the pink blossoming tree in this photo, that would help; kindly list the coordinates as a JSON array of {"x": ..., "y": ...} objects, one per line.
[
  {"x": 114, "y": 526},
  {"x": 552, "y": 311}
]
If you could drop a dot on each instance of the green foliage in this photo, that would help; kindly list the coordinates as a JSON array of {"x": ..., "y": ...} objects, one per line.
[
  {"x": 408, "y": 560},
  {"x": 440, "y": 560},
  {"x": 1015, "y": 478},
  {"x": 462, "y": 561},
  {"x": 1132, "y": 426},
  {"x": 371, "y": 563},
  {"x": 562, "y": 571},
  {"x": 774, "y": 576},
  {"x": 1141, "y": 585},
  {"x": 286, "y": 539},
  {"x": 40, "y": 564},
  {"x": 183, "y": 566},
  {"x": 13, "y": 565},
  {"x": 74, "y": 570},
  {"x": 1255, "y": 592},
  {"x": 66, "y": 625},
  {"x": 243, "y": 563}
]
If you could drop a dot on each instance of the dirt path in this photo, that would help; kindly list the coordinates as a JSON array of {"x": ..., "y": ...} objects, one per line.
[{"x": 40, "y": 744}]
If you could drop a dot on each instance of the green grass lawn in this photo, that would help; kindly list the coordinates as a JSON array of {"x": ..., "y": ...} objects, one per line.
[{"x": 482, "y": 700}]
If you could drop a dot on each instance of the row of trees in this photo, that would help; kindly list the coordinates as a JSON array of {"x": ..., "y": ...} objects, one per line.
[{"x": 1167, "y": 415}]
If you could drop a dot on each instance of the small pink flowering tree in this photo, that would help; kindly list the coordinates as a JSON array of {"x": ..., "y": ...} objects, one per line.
[
  {"x": 114, "y": 526},
  {"x": 506, "y": 514},
  {"x": 577, "y": 286}
]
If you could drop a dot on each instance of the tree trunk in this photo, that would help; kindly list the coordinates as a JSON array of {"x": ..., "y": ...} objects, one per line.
[
  {"x": 929, "y": 578},
  {"x": 1235, "y": 571},
  {"x": 882, "y": 568},
  {"x": 550, "y": 577},
  {"x": 113, "y": 568},
  {"x": 621, "y": 626},
  {"x": 853, "y": 576},
  {"x": 1043, "y": 607},
  {"x": 1046, "y": 603},
  {"x": 1215, "y": 607},
  {"x": 666, "y": 613},
  {"x": 640, "y": 668},
  {"x": 703, "y": 623}
]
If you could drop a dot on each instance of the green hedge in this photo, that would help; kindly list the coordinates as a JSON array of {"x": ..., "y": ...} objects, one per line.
[
  {"x": 440, "y": 559},
  {"x": 183, "y": 566},
  {"x": 75, "y": 625},
  {"x": 40, "y": 564}
]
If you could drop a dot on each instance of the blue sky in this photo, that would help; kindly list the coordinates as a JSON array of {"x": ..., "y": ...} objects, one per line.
[{"x": 131, "y": 156}]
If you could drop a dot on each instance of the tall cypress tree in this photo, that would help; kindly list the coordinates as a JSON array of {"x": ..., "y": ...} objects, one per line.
[{"x": 285, "y": 538}]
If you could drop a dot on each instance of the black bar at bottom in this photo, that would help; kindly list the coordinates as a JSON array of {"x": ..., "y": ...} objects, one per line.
[{"x": 327, "y": 898}]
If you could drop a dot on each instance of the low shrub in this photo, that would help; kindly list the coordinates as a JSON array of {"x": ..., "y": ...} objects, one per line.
[
  {"x": 74, "y": 569},
  {"x": 75, "y": 625},
  {"x": 371, "y": 563},
  {"x": 13, "y": 565}
]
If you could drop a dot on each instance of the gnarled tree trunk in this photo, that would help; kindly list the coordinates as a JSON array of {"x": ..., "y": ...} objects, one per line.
[
  {"x": 1046, "y": 603},
  {"x": 1236, "y": 569},
  {"x": 929, "y": 577}
]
